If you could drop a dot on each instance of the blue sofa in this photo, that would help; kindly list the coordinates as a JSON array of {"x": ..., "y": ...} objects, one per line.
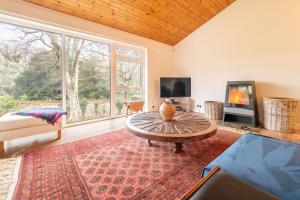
[{"x": 268, "y": 163}]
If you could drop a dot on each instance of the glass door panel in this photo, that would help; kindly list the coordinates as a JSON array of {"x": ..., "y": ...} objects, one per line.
[
  {"x": 129, "y": 85},
  {"x": 87, "y": 79}
]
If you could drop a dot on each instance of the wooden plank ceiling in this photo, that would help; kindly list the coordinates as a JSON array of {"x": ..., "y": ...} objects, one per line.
[{"x": 167, "y": 21}]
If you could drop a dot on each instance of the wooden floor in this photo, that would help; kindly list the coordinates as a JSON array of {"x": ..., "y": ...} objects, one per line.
[
  {"x": 295, "y": 137},
  {"x": 70, "y": 134}
]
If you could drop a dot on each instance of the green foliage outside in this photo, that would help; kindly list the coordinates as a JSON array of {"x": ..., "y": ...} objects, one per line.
[
  {"x": 7, "y": 103},
  {"x": 119, "y": 106},
  {"x": 94, "y": 81},
  {"x": 40, "y": 81}
]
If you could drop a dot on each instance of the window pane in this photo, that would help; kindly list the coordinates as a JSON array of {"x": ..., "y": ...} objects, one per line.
[
  {"x": 128, "y": 52},
  {"x": 122, "y": 97},
  {"x": 88, "y": 79},
  {"x": 128, "y": 74},
  {"x": 30, "y": 64}
]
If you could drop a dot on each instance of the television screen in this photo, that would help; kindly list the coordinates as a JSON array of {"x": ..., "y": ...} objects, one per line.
[{"x": 175, "y": 87}]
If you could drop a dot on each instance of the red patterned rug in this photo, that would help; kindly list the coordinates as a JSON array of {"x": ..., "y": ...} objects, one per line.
[{"x": 116, "y": 165}]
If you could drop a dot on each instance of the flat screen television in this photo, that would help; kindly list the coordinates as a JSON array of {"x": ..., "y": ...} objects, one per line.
[{"x": 175, "y": 87}]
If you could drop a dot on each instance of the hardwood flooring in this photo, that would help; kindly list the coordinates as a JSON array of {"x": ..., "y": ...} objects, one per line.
[{"x": 295, "y": 137}]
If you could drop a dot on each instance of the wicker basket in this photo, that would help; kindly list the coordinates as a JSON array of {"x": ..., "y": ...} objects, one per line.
[
  {"x": 213, "y": 110},
  {"x": 280, "y": 114}
]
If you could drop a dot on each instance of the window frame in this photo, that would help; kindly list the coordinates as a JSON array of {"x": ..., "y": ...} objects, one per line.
[
  {"x": 114, "y": 76},
  {"x": 131, "y": 60},
  {"x": 113, "y": 45}
]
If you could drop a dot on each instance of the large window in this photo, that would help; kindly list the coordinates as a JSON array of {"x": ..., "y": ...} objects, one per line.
[
  {"x": 89, "y": 78},
  {"x": 30, "y": 68}
]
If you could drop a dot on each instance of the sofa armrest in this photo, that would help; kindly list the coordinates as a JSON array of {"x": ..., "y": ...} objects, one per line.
[
  {"x": 218, "y": 184},
  {"x": 202, "y": 181}
]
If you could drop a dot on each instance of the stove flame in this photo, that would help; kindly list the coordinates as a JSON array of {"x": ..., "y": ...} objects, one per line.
[{"x": 238, "y": 95}]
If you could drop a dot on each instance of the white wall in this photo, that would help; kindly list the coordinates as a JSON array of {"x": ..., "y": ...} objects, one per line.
[
  {"x": 160, "y": 56},
  {"x": 250, "y": 40}
]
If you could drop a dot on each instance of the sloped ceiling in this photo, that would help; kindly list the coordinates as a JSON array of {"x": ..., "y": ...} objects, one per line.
[{"x": 166, "y": 21}]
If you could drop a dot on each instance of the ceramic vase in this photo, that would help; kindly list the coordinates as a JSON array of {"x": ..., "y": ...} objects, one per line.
[{"x": 167, "y": 110}]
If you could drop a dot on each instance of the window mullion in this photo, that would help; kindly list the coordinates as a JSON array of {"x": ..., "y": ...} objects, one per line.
[
  {"x": 63, "y": 74},
  {"x": 113, "y": 82}
]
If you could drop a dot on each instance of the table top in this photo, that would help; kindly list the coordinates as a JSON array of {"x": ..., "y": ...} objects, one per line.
[{"x": 185, "y": 126}]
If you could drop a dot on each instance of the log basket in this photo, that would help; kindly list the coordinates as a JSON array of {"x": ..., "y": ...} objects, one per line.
[
  {"x": 280, "y": 114},
  {"x": 213, "y": 110}
]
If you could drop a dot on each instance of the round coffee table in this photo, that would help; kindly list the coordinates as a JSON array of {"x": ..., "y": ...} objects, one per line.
[{"x": 185, "y": 126}]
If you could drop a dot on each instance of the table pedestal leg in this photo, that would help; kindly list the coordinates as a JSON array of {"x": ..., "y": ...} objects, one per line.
[
  {"x": 178, "y": 148},
  {"x": 149, "y": 142}
]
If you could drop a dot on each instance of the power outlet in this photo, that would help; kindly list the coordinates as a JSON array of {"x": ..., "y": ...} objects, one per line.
[{"x": 199, "y": 107}]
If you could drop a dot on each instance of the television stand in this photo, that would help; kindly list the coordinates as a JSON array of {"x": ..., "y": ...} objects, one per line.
[{"x": 181, "y": 104}]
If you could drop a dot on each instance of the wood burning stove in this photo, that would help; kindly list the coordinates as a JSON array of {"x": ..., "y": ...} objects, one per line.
[{"x": 240, "y": 103}]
